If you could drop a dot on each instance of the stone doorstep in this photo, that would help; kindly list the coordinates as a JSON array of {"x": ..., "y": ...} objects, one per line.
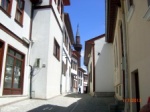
[{"x": 7, "y": 100}]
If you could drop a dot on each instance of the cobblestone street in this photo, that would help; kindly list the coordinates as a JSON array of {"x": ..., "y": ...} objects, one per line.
[{"x": 63, "y": 103}]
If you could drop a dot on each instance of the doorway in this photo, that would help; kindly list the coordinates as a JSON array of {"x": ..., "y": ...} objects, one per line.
[
  {"x": 135, "y": 91},
  {"x": 14, "y": 72}
]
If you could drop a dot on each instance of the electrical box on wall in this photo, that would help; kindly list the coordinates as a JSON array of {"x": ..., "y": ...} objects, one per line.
[{"x": 38, "y": 63}]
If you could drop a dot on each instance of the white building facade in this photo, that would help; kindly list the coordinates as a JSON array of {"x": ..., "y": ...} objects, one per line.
[
  {"x": 68, "y": 41},
  {"x": 74, "y": 71},
  {"x": 81, "y": 80},
  {"x": 47, "y": 48},
  {"x": 99, "y": 61},
  {"x": 14, "y": 47}
]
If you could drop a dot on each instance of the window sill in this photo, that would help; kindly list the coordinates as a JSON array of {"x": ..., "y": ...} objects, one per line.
[
  {"x": 4, "y": 11},
  {"x": 130, "y": 13},
  {"x": 56, "y": 57},
  {"x": 147, "y": 14},
  {"x": 18, "y": 23}
]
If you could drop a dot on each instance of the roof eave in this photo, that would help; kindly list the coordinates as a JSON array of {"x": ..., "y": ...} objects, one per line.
[
  {"x": 66, "y": 2},
  {"x": 111, "y": 14},
  {"x": 69, "y": 27}
]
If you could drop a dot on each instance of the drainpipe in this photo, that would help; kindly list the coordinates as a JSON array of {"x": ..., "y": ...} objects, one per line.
[
  {"x": 31, "y": 42},
  {"x": 31, "y": 75},
  {"x": 61, "y": 60},
  {"x": 126, "y": 109}
]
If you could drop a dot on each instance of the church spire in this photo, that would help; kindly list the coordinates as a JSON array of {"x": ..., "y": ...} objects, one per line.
[
  {"x": 77, "y": 33},
  {"x": 77, "y": 45}
]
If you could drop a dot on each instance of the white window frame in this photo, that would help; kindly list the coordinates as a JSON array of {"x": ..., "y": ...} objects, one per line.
[
  {"x": 130, "y": 10},
  {"x": 147, "y": 14}
]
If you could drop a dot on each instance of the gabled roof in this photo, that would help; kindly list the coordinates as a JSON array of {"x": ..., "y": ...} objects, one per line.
[
  {"x": 111, "y": 15},
  {"x": 69, "y": 27},
  {"x": 88, "y": 47}
]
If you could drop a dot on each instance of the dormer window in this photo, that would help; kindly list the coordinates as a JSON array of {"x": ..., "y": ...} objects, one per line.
[
  {"x": 6, "y": 5},
  {"x": 19, "y": 12}
]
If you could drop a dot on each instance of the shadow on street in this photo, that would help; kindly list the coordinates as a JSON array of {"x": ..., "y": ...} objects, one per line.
[{"x": 86, "y": 103}]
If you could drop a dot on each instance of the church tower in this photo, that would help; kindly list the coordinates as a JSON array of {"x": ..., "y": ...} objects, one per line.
[{"x": 77, "y": 45}]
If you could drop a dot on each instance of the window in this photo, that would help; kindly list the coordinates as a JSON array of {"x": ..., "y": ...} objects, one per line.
[
  {"x": 91, "y": 72},
  {"x": 116, "y": 89},
  {"x": 19, "y": 12},
  {"x": 148, "y": 2},
  {"x": 14, "y": 72},
  {"x": 75, "y": 66},
  {"x": 60, "y": 6},
  {"x": 120, "y": 90},
  {"x": 71, "y": 63},
  {"x": 62, "y": 9},
  {"x": 6, "y": 5},
  {"x": 70, "y": 50},
  {"x": 56, "y": 51},
  {"x": 130, "y": 9},
  {"x": 121, "y": 34},
  {"x": 116, "y": 52},
  {"x": 147, "y": 14},
  {"x": 66, "y": 41},
  {"x": 130, "y": 3},
  {"x": 63, "y": 68}
]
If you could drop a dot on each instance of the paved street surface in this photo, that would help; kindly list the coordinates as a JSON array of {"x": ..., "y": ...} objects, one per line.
[{"x": 63, "y": 103}]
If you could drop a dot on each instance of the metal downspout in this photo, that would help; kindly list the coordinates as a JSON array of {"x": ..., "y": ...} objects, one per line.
[
  {"x": 61, "y": 60},
  {"x": 31, "y": 75},
  {"x": 126, "y": 109},
  {"x": 31, "y": 67}
]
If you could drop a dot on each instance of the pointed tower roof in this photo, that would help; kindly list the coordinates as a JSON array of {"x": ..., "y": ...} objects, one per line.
[{"x": 77, "y": 33}]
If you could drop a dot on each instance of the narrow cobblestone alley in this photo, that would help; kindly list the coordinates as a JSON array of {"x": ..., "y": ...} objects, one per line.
[{"x": 63, "y": 103}]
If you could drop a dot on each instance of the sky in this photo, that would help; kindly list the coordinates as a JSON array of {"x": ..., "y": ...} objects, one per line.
[{"x": 90, "y": 15}]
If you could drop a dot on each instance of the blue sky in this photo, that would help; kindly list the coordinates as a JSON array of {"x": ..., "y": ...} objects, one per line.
[{"x": 90, "y": 15}]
